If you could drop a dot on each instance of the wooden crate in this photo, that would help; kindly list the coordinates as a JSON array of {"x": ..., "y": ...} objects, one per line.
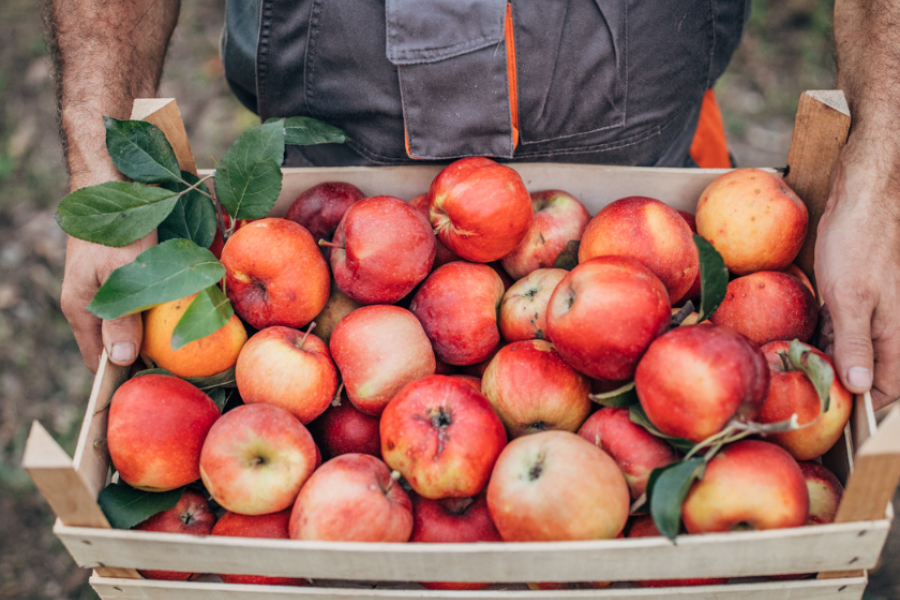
[{"x": 838, "y": 552}]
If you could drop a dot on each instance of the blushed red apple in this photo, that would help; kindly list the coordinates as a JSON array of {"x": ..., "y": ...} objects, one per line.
[
  {"x": 270, "y": 526},
  {"x": 343, "y": 429},
  {"x": 523, "y": 310}
]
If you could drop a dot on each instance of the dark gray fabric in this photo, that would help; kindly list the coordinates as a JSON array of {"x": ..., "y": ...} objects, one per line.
[
  {"x": 238, "y": 49},
  {"x": 599, "y": 81}
]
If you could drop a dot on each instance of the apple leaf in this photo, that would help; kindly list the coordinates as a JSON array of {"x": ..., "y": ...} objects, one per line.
[
  {"x": 248, "y": 179},
  {"x": 125, "y": 506},
  {"x": 815, "y": 367},
  {"x": 713, "y": 278},
  {"x": 644, "y": 508},
  {"x": 306, "y": 131},
  {"x": 669, "y": 491},
  {"x": 220, "y": 397},
  {"x": 169, "y": 271},
  {"x": 639, "y": 417},
  {"x": 153, "y": 371},
  {"x": 209, "y": 311},
  {"x": 224, "y": 379},
  {"x": 568, "y": 258},
  {"x": 114, "y": 213},
  {"x": 141, "y": 151},
  {"x": 193, "y": 217},
  {"x": 620, "y": 397}
]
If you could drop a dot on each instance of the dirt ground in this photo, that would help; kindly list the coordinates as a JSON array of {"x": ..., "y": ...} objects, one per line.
[{"x": 786, "y": 49}]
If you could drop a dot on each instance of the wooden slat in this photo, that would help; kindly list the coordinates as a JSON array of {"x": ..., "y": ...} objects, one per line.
[
  {"x": 836, "y": 589},
  {"x": 820, "y": 132},
  {"x": 802, "y": 550},
  {"x": 164, "y": 113}
]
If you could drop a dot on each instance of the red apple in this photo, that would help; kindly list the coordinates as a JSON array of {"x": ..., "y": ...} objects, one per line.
[
  {"x": 696, "y": 378},
  {"x": 480, "y": 209},
  {"x": 442, "y": 436},
  {"x": 343, "y": 429},
  {"x": 797, "y": 272},
  {"x": 378, "y": 350},
  {"x": 382, "y": 249},
  {"x": 275, "y": 274},
  {"x": 320, "y": 208},
  {"x": 218, "y": 243},
  {"x": 649, "y": 231},
  {"x": 457, "y": 306},
  {"x": 694, "y": 292},
  {"x": 825, "y": 492},
  {"x": 287, "y": 368},
  {"x": 523, "y": 310},
  {"x": 442, "y": 254},
  {"x": 555, "y": 486},
  {"x": 604, "y": 314},
  {"x": 475, "y": 382},
  {"x": 634, "y": 449},
  {"x": 352, "y": 498},
  {"x": 643, "y": 526},
  {"x": 533, "y": 389},
  {"x": 768, "y": 306},
  {"x": 255, "y": 459},
  {"x": 558, "y": 219},
  {"x": 791, "y": 392},
  {"x": 190, "y": 515},
  {"x": 271, "y": 526},
  {"x": 754, "y": 220},
  {"x": 157, "y": 425},
  {"x": 747, "y": 485}
]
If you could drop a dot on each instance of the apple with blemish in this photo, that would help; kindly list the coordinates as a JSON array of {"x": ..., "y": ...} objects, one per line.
[
  {"x": 479, "y": 209},
  {"x": 523, "y": 310},
  {"x": 443, "y": 436},
  {"x": 287, "y": 368},
  {"x": 275, "y": 274},
  {"x": 272, "y": 526},
  {"x": 533, "y": 389}
]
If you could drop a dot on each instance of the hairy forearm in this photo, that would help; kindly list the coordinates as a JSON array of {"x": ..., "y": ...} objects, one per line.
[{"x": 106, "y": 54}]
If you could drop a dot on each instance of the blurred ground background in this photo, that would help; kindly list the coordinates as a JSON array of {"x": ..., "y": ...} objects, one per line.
[{"x": 787, "y": 48}]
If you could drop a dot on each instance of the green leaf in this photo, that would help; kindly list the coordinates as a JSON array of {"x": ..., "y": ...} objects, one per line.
[
  {"x": 209, "y": 311},
  {"x": 713, "y": 278},
  {"x": 114, "y": 213},
  {"x": 153, "y": 371},
  {"x": 125, "y": 506},
  {"x": 193, "y": 217},
  {"x": 141, "y": 151},
  {"x": 815, "y": 367},
  {"x": 220, "y": 397},
  {"x": 639, "y": 417},
  {"x": 620, "y": 397},
  {"x": 224, "y": 379},
  {"x": 248, "y": 179},
  {"x": 568, "y": 258},
  {"x": 669, "y": 491},
  {"x": 306, "y": 131},
  {"x": 172, "y": 270}
]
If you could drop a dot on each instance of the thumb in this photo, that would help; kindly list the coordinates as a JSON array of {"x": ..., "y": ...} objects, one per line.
[
  {"x": 122, "y": 338},
  {"x": 853, "y": 353}
]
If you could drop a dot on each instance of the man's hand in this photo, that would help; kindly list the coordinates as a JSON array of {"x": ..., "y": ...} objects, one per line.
[{"x": 858, "y": 268}]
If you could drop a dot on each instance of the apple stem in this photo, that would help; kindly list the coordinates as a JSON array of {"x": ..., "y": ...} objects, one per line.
[
  {"x": 395, "y": 477},
  {"x": 786, "y": 361},
  {"x": 336, "y": 401},
  {"x": 324, "y": 242},
  {"x": 312, "y": 325},
  {"x": 683, "y": 313}
]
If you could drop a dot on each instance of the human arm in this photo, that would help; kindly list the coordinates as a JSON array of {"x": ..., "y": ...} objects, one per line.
[
  {"x": 106, "y": 54},
  {"x": 858, "y": 245}
]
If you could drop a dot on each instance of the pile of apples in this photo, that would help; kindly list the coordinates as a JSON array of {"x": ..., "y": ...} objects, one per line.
[{"x": 448, "y": 380}]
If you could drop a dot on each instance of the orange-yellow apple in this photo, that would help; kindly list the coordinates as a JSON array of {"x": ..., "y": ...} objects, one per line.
[
  {"x": 791, "y": 392},
  {"x": 443, "y": 437},
  {"x": 643, "y": 526},
  {"x": 352, "y": 498},
  {"x": 558, "y": 219},
  {"x": 533, "y": 389},
  {"x": 696, "y": 378},
  {"x": 379, "y": 349},
  {"x": 255, "y": 459},
  {"x": 523, "y": 310},
  {"x": 272, "y": 526},
  {"x": 603, "y": 315},
  {"x": 382, "y": 249},
  {"x": 287, "y": 368},
  {"x": 343, "y": 429},
  {"x": 190, "y": 515},
  {"x": 479, "y": 209},
  {"x": 748, "y": 485},
  {"x": 649, "y": 231},
  {"x": 157, "y": 425},
  {"x": 556, "y": 486},
  {"x": 754, "y": 220},
  {"x": 275, "y": 274},
  {"x": 634, "y": 449},
  {"x": 457, "y": 306}
]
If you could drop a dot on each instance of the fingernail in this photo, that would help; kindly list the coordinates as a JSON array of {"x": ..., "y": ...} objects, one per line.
[
  {"x": 859, "y": 378},
  {"x": 122, "y": 352}
]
